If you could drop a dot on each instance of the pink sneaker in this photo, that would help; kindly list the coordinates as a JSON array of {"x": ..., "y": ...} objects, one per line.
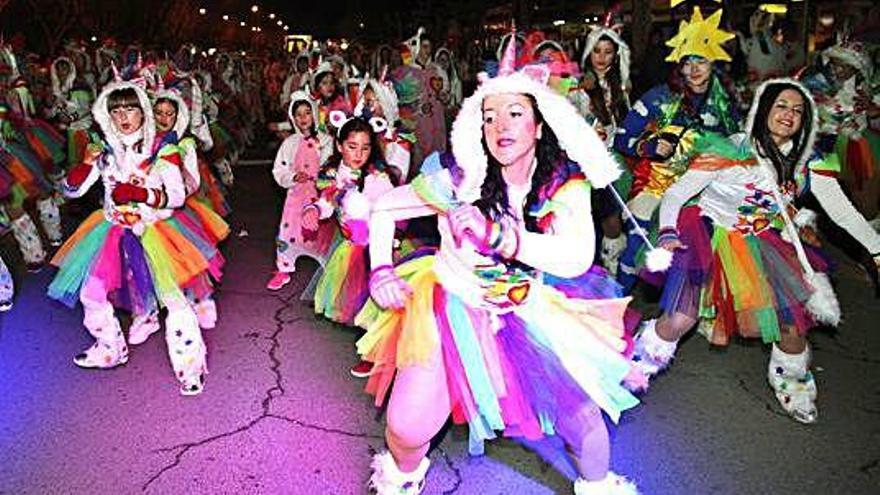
[{"x": 279, "y": 280}]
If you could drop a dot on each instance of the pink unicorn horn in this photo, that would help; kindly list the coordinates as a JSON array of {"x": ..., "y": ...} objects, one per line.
[
  {"x": 507, "y": 64},
  {"x": 116, "y": 76}
]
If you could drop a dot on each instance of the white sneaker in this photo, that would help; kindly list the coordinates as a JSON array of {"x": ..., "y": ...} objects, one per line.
[{"x": 142, "y": 327}]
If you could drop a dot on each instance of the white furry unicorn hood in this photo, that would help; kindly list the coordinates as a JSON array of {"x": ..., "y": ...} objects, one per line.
[
  {"x": 301, "y": 95},
  {"x": 808, "y": 100},
  {"x": 102, "y": 114},
  {"x": 576, "y": 137},
  {"x": 59, "y": 87},
  {"x": 623, "y": 52}
]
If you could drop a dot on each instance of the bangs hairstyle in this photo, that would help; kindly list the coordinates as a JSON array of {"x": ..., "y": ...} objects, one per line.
[
  {"x": 760, "y": 133},
  {"x": 303, "y": 103},
  {"x": 125, "y": 97},
  {"x": 374, "y": 162}
]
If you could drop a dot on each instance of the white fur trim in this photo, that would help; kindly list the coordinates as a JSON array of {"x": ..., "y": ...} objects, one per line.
[
  {"x": 814, "y": 125},
  {"x": 612, "y": 484},
  {"x": 59, "y": 88},
  {"x": 388, "y": 479},
  {"x": 301, "y": 95},
  {"x": 823, "y": 303},
  {"x": 102, "y": 115},
  {"x": 658, "y": 259},
  {"x": 623, "y": 52},
  {"x": 183, "y": 119},
  {"x": 577, "y": 138}
]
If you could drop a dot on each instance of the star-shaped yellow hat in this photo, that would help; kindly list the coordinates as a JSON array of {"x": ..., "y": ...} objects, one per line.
[
  {"x": 674, "y": 3},
  {"x": 700, "y": 37}
]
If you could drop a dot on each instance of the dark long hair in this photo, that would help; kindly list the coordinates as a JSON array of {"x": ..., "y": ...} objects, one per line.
[
  {"x": 618, "y": 109},
  {"x": 300, "y": 103},
  {"x": 493, "y": 200},
  {"x": 337, "y": 87},
  {"x": 374, "y": 162},
  {"x": 717, "y": 80},
  {"x": 760, "y": 134},
  {"x": 124, "y": 97}
]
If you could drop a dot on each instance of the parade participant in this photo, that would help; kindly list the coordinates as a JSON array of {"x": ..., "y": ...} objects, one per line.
[
  {"x": 7, "y": 287},
  {"x": 477, "y": 331},
  {"x": 73, "y": 103},
  {"x": 745, "y": 262},
  {"x": 606, "y": 68},
  {"x": 847, "y": 106},
  {"x": 659, "y": 129},
  {"x": 296, "y": 168},
  {"x": 446, "y": 62},
  {"x": 418, "y": 89},
  {"x": 195, "y": 220},
  {"x": 378, "y": 99},
  {"x": 131, "y": 254},
  {"x": 330, "y": 96},
  {"x": 348, "y": 185}
]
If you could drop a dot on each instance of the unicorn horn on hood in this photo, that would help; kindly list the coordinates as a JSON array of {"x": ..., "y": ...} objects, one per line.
[
  {"x": 117, "y": 77},
  {"x": 507, "y": 64}
]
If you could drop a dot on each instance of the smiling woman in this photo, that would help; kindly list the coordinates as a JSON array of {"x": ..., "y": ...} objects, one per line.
[{"x": 747, "y": 261}]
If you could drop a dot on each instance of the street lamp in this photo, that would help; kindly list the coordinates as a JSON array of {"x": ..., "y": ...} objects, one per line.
[
  {"x": 242, "y": 24},
  {"x": 280, "y": 23},
  {"x": 225, "y": 17},
  {"x": 271, "y": 16},
  {"x": 255, "y": 8},
  {"x": 203, "y": 11}
]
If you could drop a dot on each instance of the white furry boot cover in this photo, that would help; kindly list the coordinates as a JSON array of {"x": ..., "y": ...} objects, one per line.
[
  {"x": 388, "y": 479},
  {"x": 790, "y": 378},
  {"x": 652, "y": 354},
  {"x": 613, "y": 484}
]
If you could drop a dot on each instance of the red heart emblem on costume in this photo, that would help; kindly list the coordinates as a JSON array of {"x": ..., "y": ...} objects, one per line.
[
  {"x": 518, "y": 294},
  {"x": 760, "y": 224}
]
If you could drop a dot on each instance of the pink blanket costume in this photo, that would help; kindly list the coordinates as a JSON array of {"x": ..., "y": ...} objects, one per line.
[
  {"x": 517, "y": 354},
  {"x": 133, "y": 254},
  {"x": 300, "y": 155}
]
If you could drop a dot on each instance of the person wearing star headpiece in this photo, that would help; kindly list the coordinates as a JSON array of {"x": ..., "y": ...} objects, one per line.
[
  {"x": 504, "y": 327},
  {"x": 659, "y": 129}
]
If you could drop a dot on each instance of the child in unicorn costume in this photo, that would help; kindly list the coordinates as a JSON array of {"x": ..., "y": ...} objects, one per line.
[
  {"x": 132, "y": 254},
  {"x": 479, "y": 330},
  {"x": 296, "y": 169},
  {"x": 203, "y": 226}
]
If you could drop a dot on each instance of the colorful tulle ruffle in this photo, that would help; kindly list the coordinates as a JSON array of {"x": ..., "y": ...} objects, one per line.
[
  {"x": 745, "y": 284},
  {"x": 138, "y": 273},
  {"x": 531, "y": 372}
]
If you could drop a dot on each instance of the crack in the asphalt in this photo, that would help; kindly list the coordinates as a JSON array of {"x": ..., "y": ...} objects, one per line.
[
  {"x": 869, "y": 466},
  {"x": 455, "y": 470},
  {"x": 273, "y": 392}
]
